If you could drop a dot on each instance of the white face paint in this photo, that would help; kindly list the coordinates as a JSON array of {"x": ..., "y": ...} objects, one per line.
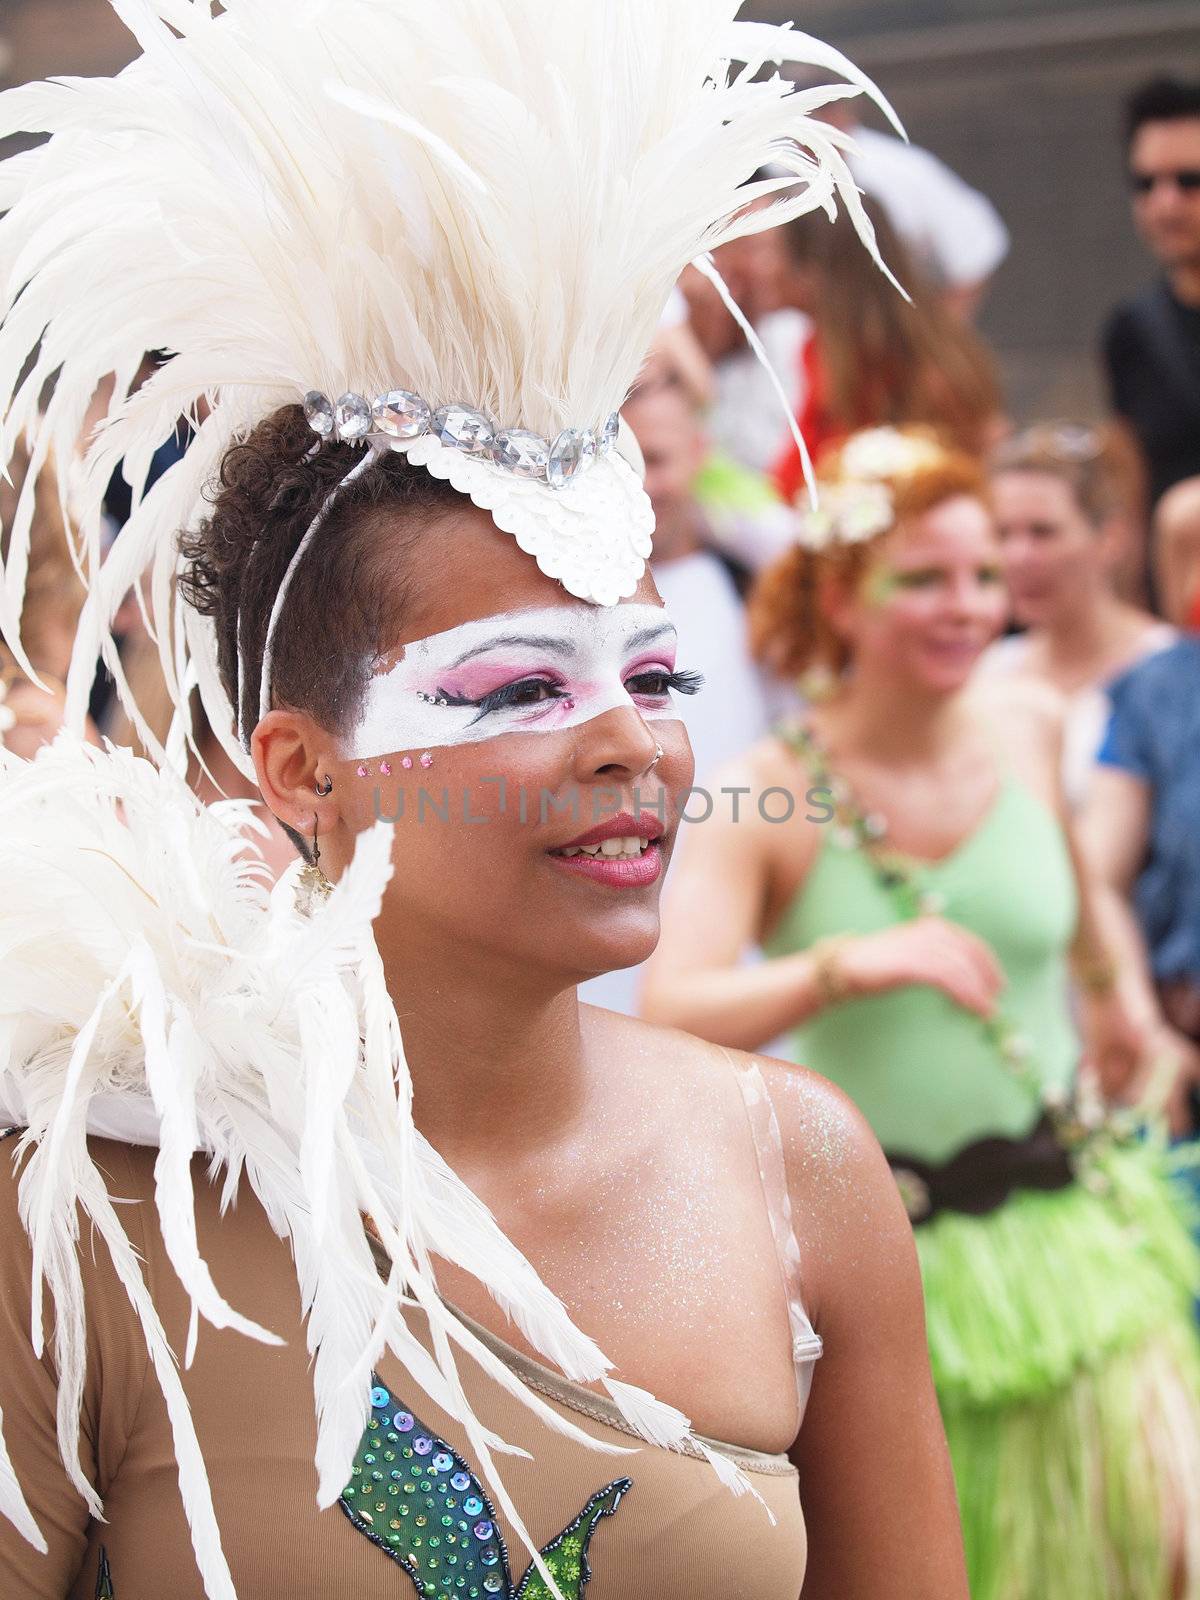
[{"x": 536, "y": 671}]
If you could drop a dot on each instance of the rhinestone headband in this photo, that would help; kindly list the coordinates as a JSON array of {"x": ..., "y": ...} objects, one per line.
[{"x": 401, "y": 416}]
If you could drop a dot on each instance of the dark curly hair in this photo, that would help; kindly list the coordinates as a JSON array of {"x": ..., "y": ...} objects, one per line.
[{"x": 348, "y": 596}]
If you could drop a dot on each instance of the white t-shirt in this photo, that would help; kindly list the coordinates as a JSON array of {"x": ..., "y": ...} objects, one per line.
[
  {"x": 747, "y": 421},
  {"x": 955, "y": 232},
  {"x": 1087, "y": 711},
  {"x": 727, "y": 716}
]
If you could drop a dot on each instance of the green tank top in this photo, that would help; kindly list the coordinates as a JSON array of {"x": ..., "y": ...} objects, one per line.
[{"x": 920, "y": 1068}]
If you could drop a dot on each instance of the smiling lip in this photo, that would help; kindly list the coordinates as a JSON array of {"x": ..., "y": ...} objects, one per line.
[
  {"x": 620, "y": 871},
  {"x": 646, "y": 825}
]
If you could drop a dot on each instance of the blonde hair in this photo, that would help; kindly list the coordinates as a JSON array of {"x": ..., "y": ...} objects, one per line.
[
  {"x": 790, "y": 632},
  {"x": 1099, "y": 466}
]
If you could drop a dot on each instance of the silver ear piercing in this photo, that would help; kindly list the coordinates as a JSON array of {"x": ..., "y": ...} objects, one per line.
[{"x": 325, "y": 786}]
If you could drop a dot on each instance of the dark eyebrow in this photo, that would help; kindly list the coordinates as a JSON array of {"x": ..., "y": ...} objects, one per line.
[
  {"x": 503, "y": 641},
  {"x": 648, "y": 635}
]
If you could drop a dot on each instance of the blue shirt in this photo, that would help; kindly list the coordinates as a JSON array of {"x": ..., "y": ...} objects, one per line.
[{"x": 1154, "y": 734}]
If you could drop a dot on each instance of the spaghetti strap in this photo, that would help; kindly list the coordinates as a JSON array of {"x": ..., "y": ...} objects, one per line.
[{"x": 768, "y": 1146}]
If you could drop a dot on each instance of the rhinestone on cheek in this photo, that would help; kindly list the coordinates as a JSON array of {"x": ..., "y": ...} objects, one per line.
[
  {"x": 426, "y": 759},
  {"x": 406, "y": 763},
  {"x": 362, "y": 769},
  {"x": 385, "y": 771}
]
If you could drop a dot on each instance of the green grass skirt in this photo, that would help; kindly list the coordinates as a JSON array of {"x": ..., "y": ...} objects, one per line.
[{"x": 1067, "y": 1363}]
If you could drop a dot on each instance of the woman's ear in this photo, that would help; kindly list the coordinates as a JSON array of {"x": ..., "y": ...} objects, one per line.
[{"x": 294, "y": 764}]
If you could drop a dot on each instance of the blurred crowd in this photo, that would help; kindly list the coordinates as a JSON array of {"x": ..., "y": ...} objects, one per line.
[{"x": 1093, "y": 526}]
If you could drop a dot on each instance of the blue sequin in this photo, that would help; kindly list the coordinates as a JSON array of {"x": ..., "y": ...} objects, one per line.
[
  {"x": 461, "y": 1481},
  {"x": 442, "y": 1462},
  {"x": 473, "y": 1506},
  {"x": 380, "y": 1398},
  {"x": 482, "y": 1530},
  {"x": 403, "y": 1421},
  {"x": 422, "y": 1445}
]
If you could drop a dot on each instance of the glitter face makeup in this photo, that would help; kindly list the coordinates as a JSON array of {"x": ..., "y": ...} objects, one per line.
[{"x": 535, "y": 671}]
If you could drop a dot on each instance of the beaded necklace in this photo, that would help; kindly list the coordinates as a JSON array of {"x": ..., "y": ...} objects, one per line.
[{"x": 902, "y": 877}]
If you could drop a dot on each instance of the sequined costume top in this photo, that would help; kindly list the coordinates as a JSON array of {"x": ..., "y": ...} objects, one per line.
[{"x": 414, "y": 1520}]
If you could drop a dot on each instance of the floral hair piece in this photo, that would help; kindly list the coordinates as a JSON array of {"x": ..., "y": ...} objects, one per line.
[{"x": 858, "y": 504}]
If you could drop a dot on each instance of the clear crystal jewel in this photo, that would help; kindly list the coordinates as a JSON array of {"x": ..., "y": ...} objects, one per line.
[
  {"x": 318, "y": 412},
  {"x": 523, "y": 454},
  {"x": 401, "y": 414},
  {"x": 609, "y": 432},
  {"x": 353, "y": 416},
  {"x": 461, "y": 428},
  {"x": 569, "y": 454}
]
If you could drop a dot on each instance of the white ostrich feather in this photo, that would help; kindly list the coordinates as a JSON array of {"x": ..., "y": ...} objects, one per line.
[
  {"x": 483, "y": 203},
  {"x": 153, "y": 989}
]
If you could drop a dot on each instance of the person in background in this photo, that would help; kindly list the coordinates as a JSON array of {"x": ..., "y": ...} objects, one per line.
[
  {"x": 746, "y": 421},
  {"x": 1151, "y": 345},
  {"x": 1061, "y": 494},
  {"x": 1177, "y": 553},
  {"x": 953, "y": 232},
  {"x": 700, "y": 592},
  {"x": 1139, "y": 829},
  {"x": 919, "y": 907},
  {"x": 875, "y": 357}
]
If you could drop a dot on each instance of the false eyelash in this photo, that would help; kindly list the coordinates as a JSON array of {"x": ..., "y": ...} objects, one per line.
[
  {"x": 682, "y": 682},
  {"x": 497, "y": 699}
]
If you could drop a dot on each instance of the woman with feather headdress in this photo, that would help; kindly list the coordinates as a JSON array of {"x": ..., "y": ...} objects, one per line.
[{"x": 407, "y": 261}]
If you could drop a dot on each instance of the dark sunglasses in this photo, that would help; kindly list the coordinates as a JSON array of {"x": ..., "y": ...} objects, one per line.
[{"x": 1187, "y": 179}]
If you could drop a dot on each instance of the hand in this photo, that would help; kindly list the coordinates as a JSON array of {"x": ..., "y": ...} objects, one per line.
[
  {"x": 1172, "y": 1073},
  {"x": 929, "y": 951},
  {"x": 1117, "y": 1041}
]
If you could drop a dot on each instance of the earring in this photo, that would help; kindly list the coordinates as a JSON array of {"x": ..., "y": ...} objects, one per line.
[
  {"x": 313, "y": 888},
  {"x": 325, "y": 786}
]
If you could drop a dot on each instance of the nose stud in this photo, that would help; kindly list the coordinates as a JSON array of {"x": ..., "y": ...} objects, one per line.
[{"x": 658, "y": 755}]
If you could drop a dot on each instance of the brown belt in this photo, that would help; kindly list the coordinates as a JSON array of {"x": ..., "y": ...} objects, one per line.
[{"x": 982, "y": 1176}]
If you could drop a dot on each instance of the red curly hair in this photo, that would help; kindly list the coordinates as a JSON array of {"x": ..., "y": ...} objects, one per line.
[{"x": 790, "y": 632}]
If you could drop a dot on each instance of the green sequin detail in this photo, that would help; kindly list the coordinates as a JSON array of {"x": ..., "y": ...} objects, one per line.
[{"x": 450, "y": 1549}]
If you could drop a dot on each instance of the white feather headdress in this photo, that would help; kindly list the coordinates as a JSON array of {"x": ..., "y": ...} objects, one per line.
[{"x": 479, "y": 203}]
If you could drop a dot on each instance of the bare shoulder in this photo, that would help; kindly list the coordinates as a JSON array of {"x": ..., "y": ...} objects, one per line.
[
  {"x": 1026, "y": 718},
  {"x": 1021, "y": 697},
  {"x": 846, "y": 1209}
]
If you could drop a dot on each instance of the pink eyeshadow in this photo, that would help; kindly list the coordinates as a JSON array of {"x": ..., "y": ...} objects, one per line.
[{"x": 473, "y": 681}]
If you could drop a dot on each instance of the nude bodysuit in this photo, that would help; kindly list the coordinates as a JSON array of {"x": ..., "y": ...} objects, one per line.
[{"x": 414, "y": 1520}]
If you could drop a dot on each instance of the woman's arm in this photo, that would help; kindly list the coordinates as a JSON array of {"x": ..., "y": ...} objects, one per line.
[
  {"x": 29, "y": 1395},
  {"x": 721, "y": 898},
  {"x": 715, "y": 909},
  {"x": 875, "y": 1476}
]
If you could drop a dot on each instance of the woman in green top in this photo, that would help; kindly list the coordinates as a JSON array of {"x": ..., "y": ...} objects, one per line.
[{"x": 904, "y": 859}]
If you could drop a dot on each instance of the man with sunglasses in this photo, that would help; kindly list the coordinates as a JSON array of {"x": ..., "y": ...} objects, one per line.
[{"x": 1152, "y": 344}]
